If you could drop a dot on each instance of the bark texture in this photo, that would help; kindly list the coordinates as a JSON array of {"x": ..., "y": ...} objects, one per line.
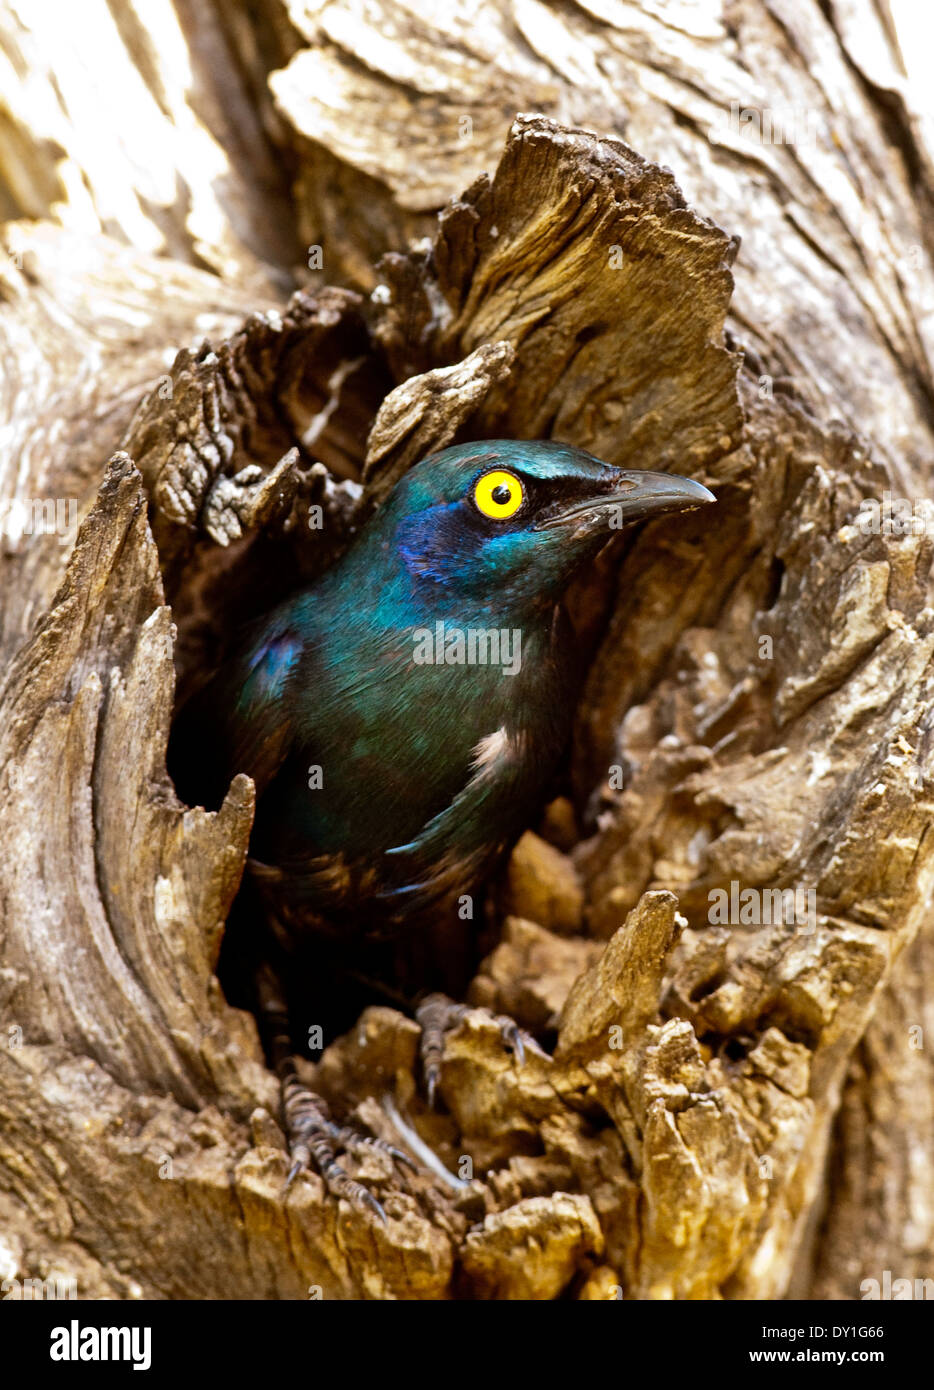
[{"x": 278, "y": 255}]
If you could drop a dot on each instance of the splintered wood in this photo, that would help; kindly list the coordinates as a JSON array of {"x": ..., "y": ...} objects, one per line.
[{"x": 756, "y": 715}]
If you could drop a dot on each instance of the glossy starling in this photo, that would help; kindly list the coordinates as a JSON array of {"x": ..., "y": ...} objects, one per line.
[{"x": 402, "y": 717}]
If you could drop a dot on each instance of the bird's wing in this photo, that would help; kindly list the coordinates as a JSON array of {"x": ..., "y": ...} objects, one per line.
[
  {"x": 238, "y": 722},
  {"x": 454, "y": 848},
  {"x": 258, "y": 732},
  {"x": 445, "y": 859},
  {"x": 307, "y": 892}
]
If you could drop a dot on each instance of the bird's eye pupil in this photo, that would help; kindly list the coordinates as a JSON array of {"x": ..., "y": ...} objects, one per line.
[{"x": 498, "y": 495}]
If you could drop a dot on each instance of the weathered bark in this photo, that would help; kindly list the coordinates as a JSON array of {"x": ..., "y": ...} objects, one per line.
[{"x": 726, "y": 1111}]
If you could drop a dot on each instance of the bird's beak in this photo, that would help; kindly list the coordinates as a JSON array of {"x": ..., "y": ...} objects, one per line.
[{"x": 629, "y": 497}]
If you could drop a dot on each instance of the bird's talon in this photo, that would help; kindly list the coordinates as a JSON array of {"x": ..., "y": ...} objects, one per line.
[
  {"x": 521, "y": 1043},
  {"x": 347, "y": 1137},
  {"x": 402, "y": 1157},
  {"x": 314, "y": 1141},
  {"x": 512, "y": 1038},
  {"x": 365, "y": 1201},
  {"x": 437, "y": 1015},
  {"x": 294, "y": 1171}
]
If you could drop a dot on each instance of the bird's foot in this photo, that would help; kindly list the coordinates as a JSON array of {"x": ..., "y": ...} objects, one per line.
[
  {"x": 315, "y": 1141},
  {"x": 436, "y": 1015}
]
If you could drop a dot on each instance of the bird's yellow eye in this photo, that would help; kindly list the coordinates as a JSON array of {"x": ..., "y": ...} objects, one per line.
[{"x": 498, "y": 495}]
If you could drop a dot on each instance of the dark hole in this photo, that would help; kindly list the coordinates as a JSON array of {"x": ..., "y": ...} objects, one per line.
[
  {"x": 586, "y": 335},
  {"x": 707, "y": 987},
  {"x": 776, "y": 574}
]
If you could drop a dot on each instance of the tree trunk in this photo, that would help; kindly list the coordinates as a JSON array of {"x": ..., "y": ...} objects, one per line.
[{"x": 277, "y": 251}]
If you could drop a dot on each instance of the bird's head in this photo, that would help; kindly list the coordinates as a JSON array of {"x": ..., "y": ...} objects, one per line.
[{"x": 511, "y": 520}]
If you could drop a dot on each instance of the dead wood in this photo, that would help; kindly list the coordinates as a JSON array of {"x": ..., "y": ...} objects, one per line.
[{"x": 736, "y": 1110}]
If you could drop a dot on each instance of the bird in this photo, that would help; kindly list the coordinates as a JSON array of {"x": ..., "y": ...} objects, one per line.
[{"x": 401, "y": 718}]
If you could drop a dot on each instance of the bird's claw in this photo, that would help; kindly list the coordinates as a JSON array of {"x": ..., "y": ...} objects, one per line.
[
  {"x": 519, "y": 1042},
  {"x": 437, "y": 1015},
  {"x": 349, "y": 1138},
  {"x": 314, "y": 1141},
  {"x": 512, "y": 1038},
  {"x": 367, "y": 1199}
]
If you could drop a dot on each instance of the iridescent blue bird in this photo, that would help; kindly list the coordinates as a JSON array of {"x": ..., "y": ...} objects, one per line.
[{"x": 402, "y": 717}]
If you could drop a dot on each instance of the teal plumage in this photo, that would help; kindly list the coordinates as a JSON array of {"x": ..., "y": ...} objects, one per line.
[
  {"x": 388, "y": 782},
  {"x": 401, "y": 719}
]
